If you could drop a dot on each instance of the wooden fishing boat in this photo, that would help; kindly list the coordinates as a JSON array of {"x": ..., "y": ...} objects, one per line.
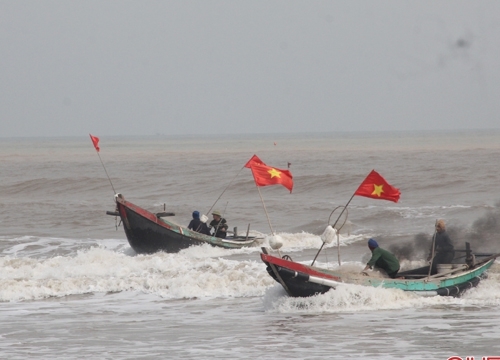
[
  {"x": 303, "y": 280},
  {"x": 149, "y": 233}
]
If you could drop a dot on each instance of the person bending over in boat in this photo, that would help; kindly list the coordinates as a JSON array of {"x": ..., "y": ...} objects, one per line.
[
  {"x": 219, "y": 224},
  {"x": 444, "y": 249},
  {"x": 382, "y": 259},
  {"x": 197, "y": 225}
]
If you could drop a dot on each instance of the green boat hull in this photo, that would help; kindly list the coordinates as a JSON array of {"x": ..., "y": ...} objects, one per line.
[{"x": 303, "y": 280}]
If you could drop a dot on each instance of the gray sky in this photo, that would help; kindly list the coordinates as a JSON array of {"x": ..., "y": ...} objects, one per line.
[{"x": 192, "y": 67}]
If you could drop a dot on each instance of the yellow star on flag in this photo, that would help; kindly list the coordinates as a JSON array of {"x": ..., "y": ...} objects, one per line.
[
  {"x": 274, "y": 173},
  {"x": 378, "y": 190}
]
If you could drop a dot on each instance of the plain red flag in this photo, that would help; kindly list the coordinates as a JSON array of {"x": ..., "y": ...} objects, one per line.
[
  {"x": 95, "y": 141},
  {"x": 266, "y": 175},
  {"x": 254, "y": 160},
  {"x": 376, "y": 187}
]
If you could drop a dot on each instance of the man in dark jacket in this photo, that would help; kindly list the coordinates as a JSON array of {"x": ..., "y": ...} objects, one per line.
[
  {"x": 382, "y": 259},
  {"x": 197, "y": 225},
  {"x": 444, "y": 250},
  {"x": 219, "y": 224}
]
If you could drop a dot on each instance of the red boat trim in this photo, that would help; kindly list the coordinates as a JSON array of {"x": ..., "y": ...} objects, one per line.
[
  {"x": 148, "y": 215},
  {"x": 296, "y": 267}
]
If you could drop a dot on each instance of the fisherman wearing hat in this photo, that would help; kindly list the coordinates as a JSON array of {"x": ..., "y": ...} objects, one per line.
[
  {"x": 219, "y": 224},
  {"x": 197, "y": 225},
  {"x": 382, "y": 259}
]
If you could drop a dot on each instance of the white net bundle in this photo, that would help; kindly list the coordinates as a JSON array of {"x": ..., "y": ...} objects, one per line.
[{"x": 328, "y": 235}]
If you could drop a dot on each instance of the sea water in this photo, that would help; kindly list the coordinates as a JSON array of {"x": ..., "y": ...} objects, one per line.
[{"x": 71, "y": 287}]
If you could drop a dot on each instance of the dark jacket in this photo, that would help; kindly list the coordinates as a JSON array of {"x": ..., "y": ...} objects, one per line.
[
  {"x": 199, "y": 226},
  {"x": 443, "y": 243},
  {"x": 445, "y": 252},
  {"x": 219, "y": 226}
]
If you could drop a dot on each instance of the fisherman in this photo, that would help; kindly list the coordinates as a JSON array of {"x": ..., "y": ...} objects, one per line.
[
  {"x": 197, "y": 225},
  {"x": 443, "y": 247},
  {"x": 381, "y": 259},
  {"x": 219, "y": 224}
]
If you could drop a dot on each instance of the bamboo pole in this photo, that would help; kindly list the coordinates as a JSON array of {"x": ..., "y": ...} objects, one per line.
[
  {"x": 267, "y": 215},
  {"x": 432, "y": 249}
]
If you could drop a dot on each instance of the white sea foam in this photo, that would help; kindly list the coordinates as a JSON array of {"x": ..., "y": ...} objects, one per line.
[
  {"x": 101, "y": 270},
  {"x": 357, "y": 298},
  {"x": 38, "y": 267}
]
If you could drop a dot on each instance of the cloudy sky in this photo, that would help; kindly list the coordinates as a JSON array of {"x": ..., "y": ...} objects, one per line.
[{"x": 237, "y": 66}]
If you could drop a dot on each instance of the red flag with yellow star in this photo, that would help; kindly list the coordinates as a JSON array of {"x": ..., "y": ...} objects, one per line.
[
  {"x": 376, "y": 187},
  {"x": 267, "y": 175}
]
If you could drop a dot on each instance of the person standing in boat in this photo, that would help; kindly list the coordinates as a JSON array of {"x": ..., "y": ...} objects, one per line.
[
  {"x": 381, "y": 259},
  {"x": 443, "y": 248},
  {"x": 197, "y": 225},
  {"x": 219, "y": 224}
]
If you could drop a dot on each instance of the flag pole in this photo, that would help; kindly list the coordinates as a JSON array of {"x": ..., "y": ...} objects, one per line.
[
  {"x": 336, "y": 221},
  {"x": 259, "y": 181},
  {"x": 114, "y": 191},
  {"x": 95, "y": 141},
  {"x": 267, "y": 215},
  {"x": 265, "y": 210}
]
